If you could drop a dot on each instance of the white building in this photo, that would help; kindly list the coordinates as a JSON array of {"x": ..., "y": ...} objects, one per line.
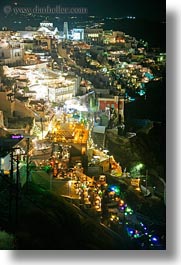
[
  {"x": 78, "y": 34},
  {"x": 47, "y": 29},
  {"x": 11, "y": 51},
  {"x": 55, "y": 91}
]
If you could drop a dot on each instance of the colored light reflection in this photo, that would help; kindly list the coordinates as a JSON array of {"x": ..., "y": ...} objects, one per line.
[
  {"x": 155, "y": 239},
  {"x": 115, "y": 189}
]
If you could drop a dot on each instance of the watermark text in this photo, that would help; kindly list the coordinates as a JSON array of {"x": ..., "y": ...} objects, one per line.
[{"x": 45, "y": 10}]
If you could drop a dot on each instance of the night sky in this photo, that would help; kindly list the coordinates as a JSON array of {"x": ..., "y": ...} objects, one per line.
[
  {"x": 153, "y": 10},
  {"x": 149, "y": 24}
]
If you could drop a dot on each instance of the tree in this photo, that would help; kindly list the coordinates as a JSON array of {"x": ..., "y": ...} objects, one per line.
[
  {"x": 6, "y": 241},
  {"x": 25, "y": 90}
]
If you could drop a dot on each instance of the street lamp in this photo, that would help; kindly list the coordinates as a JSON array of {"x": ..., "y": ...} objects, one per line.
[
  {"x": 69, "y": 188},
  {"x": 41, "y": 121},
  {"x": 15, "y": 155},
  {"x": 27, "y": 161}
]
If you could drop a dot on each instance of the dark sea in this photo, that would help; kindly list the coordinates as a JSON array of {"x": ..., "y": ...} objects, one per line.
[{"x": 154, "y": 32}]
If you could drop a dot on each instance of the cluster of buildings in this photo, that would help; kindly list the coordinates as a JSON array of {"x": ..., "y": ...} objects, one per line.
[
  {"x": 43, "y": 68},
  {"x": 26, "y": 45}
]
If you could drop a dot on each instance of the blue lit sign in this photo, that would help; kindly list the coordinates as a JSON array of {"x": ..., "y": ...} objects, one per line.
[{"x": 16, "y": 136}]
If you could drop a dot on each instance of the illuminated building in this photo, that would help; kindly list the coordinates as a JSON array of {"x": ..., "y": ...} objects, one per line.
[
  {"x": 50, "y": 86},
  {"x": 26, "y": 35},
  {"x": 112, "y": 37},
  {"x": 93, "y": 36},
  {"x": 65, "y": 30},
  {"x": 78, "y": 34},
  {"x": 11, "y": 51},
  {"x": 116, "y": 103},
  {"x": 18, "y": 117},
  {"x": 31, "y": 58},
  {"x": 74, "y": 134},
  {"x": 62, "y": 92},
  {"x": 47, "y": 29},
  {"x": 46, "y": 24}
]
